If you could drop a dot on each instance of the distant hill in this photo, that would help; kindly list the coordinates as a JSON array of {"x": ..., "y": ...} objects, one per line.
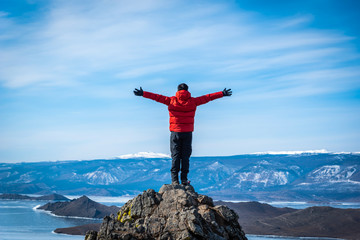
[
  {"x": 263, "y": 219},
  {"x": 80, "y": 207},
  {"x": 51, "y": 197},
  {"x": 314, "y": 221},
  {"x": 250, "y": 212},
  {"x": 309, "y": 176},
  {"x": 13, "y": 196},
  {"x": 79, "y": 230}
]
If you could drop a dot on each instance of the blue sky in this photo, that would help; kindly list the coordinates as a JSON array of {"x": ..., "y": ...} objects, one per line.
[{"x": 67, "y": 71}]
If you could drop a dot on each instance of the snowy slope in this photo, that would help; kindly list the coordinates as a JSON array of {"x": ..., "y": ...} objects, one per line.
[{"x": 306, "y": 176}]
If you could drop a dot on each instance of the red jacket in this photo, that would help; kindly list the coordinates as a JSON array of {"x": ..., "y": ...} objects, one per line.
[{"x": 182, "y": 108}]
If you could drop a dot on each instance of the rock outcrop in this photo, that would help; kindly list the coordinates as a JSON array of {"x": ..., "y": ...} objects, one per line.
[
  {"x": 176, "y": 212},
  {"x": 80, "y": 207}
]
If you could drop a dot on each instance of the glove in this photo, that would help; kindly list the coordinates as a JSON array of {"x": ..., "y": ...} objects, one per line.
[
  {"x": 227, "y": 92},
  {"x": 138, "y": 92}
]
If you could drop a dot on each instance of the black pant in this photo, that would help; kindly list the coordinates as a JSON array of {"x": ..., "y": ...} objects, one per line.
[{"x": 180, "y": 146}]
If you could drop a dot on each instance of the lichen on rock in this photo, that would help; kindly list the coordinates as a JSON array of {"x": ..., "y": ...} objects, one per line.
[{"x": 176, "y": 212}]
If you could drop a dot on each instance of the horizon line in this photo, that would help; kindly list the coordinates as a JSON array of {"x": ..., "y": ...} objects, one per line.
[{"x": 152, "y": 155}]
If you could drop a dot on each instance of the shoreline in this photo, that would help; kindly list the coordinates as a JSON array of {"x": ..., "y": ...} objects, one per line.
[
  {"x": 70, "y": 231},
  {"x": 54, "y": 215},
  {"x": 97, "y": 222},
  {"x": 121, "y": 200},
  {"x": 292, "y": 237},
  {"x": 78, "y": 230}
]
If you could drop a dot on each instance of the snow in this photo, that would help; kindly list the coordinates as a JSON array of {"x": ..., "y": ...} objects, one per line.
[
  {"x": 264, "y": 162},
  {"x": 268, "y": 178},
  {"x": 332, "y": 173},
  {"x": 36, "y": 207},
  {"x": 101, "y": 177},
  {"x": 144, "y": 155},
  {"x": 347, "y": 153},
  {"x": 292, "y": 152},
  {"x": 26, "y": 178},
  {"x": 319, "y": 151},
  {"x": 304, "y": 184},
  {"x": 215, "y": 166},
  {"x": 327, "y": 171}
]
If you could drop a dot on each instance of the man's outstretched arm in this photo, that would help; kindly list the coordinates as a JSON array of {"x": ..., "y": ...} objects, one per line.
[
  {"x": 153, "y": 96},
  {"x": 212, "y": 96}
]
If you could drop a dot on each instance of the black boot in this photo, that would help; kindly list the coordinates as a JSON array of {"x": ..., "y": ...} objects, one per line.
[
  {"x": 184, "y": 180},
  {"x": 185, "y": 183},
  {"x": 174, "y": 178}
]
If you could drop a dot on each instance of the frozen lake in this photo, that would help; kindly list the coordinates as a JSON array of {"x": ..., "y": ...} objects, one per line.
[{"x": 20, "y": 221}]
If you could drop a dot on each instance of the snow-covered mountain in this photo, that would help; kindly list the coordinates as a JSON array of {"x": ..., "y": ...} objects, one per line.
[
  {"x": 144, "y": 155},
  {"x": 333, "y": 173},
  {"x": 309, "y": 176},
  {"x": 292, "y": 152}
]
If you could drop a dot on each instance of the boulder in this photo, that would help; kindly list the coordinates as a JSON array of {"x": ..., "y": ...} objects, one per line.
[{"x": 176, "y": 212}]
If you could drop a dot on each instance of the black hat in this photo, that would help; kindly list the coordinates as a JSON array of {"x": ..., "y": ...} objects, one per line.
[{"x": 183, "y": 86}]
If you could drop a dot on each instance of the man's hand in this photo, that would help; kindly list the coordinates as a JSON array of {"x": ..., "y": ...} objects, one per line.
[
  {"x": 138, "y": 92},
  {"x": 227, "y": 92}
]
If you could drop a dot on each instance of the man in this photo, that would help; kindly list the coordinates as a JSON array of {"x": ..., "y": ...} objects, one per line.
[{"x": 182, "y": 109}]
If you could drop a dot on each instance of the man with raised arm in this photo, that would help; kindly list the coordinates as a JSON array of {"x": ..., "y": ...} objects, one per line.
[{"x": 182, "y": 109}]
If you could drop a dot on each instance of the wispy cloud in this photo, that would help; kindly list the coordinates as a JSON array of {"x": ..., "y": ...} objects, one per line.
[{"x": 129, "y": 40}]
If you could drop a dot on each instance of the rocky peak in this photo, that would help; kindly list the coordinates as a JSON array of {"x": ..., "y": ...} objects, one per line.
[
  {"x": 175, "y": 212},
  {"x": 80, "y": 207}
]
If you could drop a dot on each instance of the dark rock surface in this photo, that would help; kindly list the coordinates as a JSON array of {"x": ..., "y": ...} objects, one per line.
[
  {"x": 313, "y": 222},
  {"x": 52, "y": 197},
  {"x": 251, "y": 212},
  {"x": 263, "y": 219},
  {"x": 80, "y": 207},
  {"x": 175, "y": 212},
  {"x": 79, "y": 230},
  {"x": 13, "y": 196}
]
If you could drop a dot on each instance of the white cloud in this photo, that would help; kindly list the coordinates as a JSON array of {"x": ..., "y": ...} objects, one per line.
[
  {"x": 69, "y": 55},
  {"x": 140, "y": 71},
  {"x": 291, "y": 58},
  {"x": 293, "y": 22},
  {"x": 128, "y": 40}
]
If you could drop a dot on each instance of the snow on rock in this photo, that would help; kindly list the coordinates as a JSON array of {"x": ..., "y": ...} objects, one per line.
[
  {"x": 26, "y": 178},
  {"x": 216, "y": 165},
  {"x": 267, "y": 178},
  {"x": 144, "y": 155},
  {"x": 292, "y": 152},
  {"x": 327, "y": 171},
  {"x": 101, "y": 177},
  {"x": 217, "y": 171},
  {"x": 332, "y": 173}
]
